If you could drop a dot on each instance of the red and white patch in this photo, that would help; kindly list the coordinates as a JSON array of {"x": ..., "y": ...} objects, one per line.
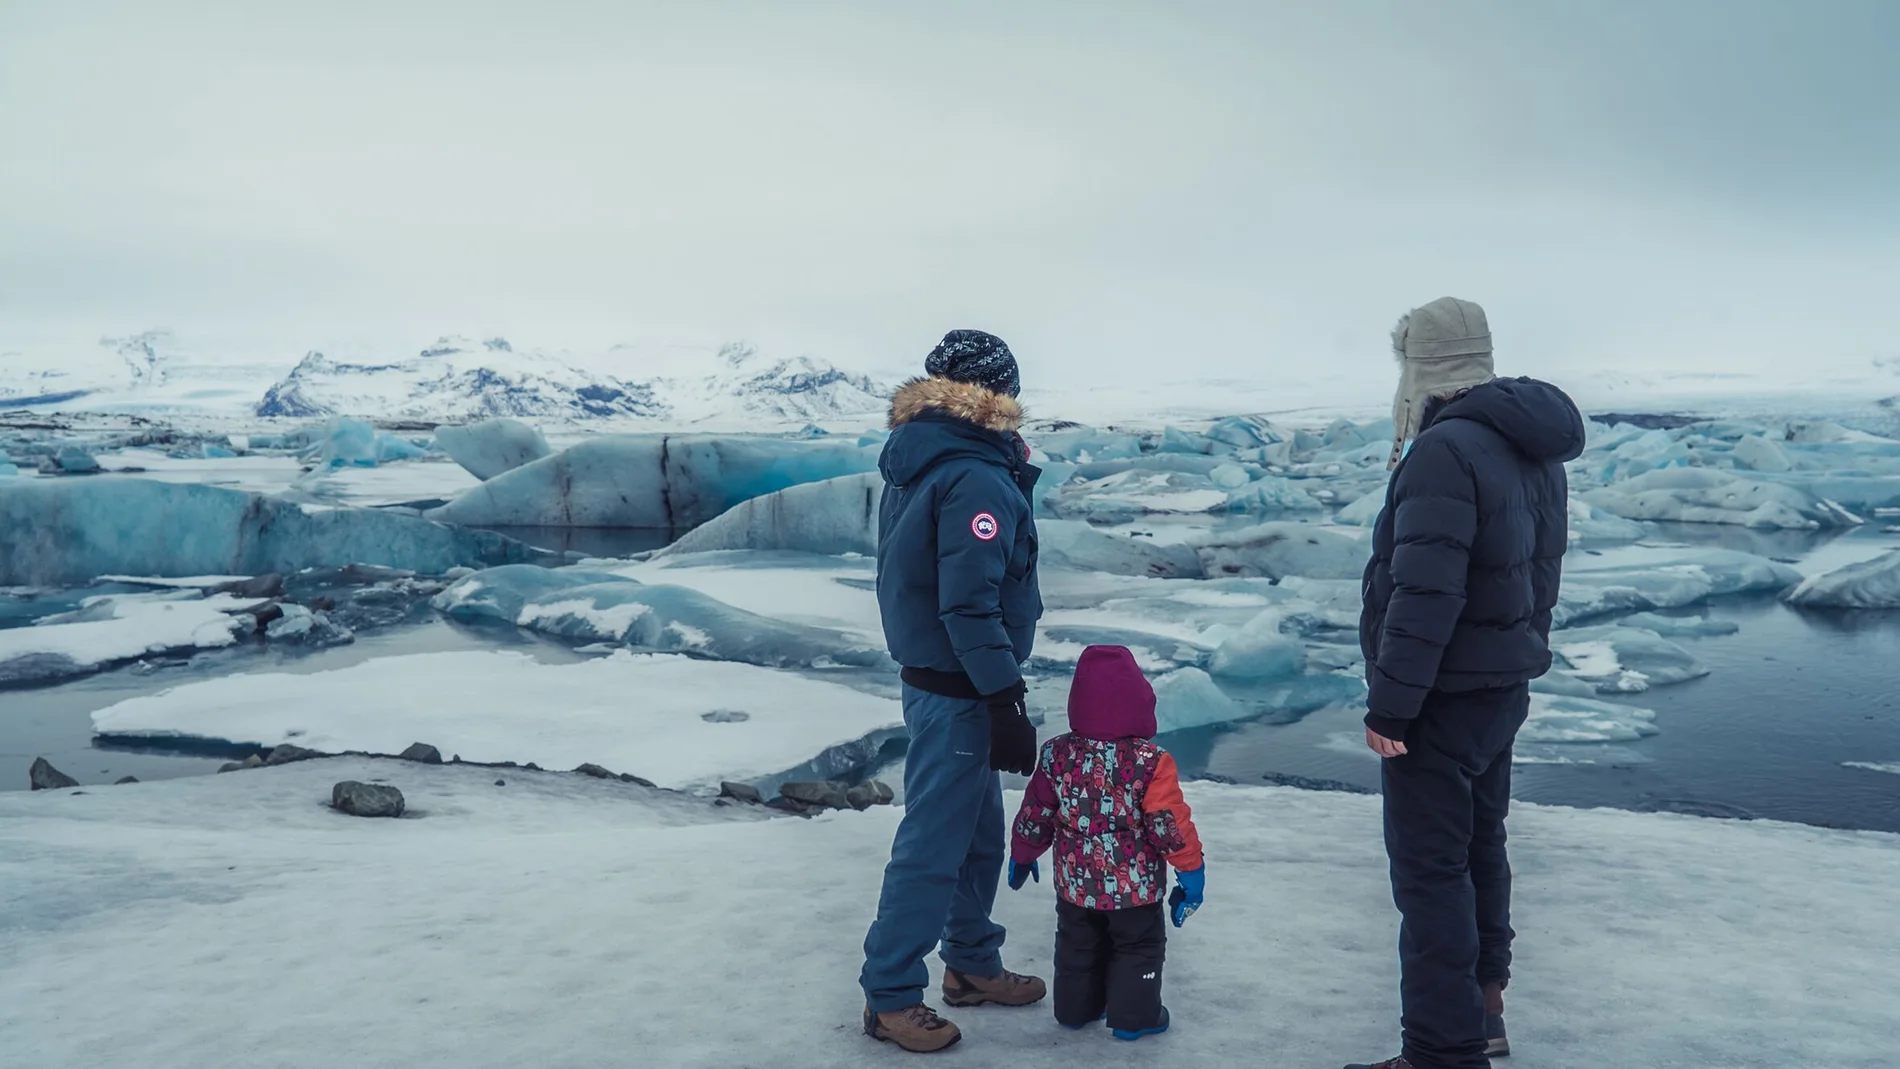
[{"x": 983, "y": 526}]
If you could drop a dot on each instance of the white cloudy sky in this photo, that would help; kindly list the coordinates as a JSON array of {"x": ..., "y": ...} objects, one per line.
[{"x": 1120, "y": 189}]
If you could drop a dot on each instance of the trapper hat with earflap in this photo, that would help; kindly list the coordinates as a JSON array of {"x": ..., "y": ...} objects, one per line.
[{"x": 1442, "y": 347}]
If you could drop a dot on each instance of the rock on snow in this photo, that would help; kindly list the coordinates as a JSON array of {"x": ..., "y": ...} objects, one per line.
[{"x": 548, "y": 907}]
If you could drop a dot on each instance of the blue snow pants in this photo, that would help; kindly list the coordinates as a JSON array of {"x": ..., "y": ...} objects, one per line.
[
  {"x": 1445, "y": 803},
  {"x": 946, "y": 860}
]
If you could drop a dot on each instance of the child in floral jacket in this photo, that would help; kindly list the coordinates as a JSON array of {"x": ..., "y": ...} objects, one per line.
[{"x": 1109, "y": 801}]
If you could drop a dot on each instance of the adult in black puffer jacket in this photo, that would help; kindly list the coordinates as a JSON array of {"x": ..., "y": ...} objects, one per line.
[{"x": 1467, "y": 557}]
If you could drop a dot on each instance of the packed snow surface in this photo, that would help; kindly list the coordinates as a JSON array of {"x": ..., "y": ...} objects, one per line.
[
  {"x": 500, "y": 923},
  {"x": 642, "y": 714}
]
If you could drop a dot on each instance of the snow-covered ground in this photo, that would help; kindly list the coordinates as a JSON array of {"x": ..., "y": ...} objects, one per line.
[{"x": 562, "y": 921}]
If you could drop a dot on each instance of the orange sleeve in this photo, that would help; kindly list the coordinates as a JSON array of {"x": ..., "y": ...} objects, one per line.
[{"x": 1170, "y": 821}]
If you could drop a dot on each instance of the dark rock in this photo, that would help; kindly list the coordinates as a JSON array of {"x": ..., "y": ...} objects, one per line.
[
  {"x": 501, "y": 783},
  {"x": 422, "y": 753},
  {"x": 531, "y": 767},
  {"x": 595, "y": 771},
  {"x": 628, "y": 777},
  {"x": 366, "y": 799},
  {"x": 123, "y": 780},
  {"x": 44, "y": 777},
  {"x": 794, "y": 807},
  {"x": 232, "y": 766},
  {"x": 741, "y": 792},
  {"x": 267, "y": 615},
  {"x": 268, "y": 585},
  {"x": 866, "y": 795},
  {"x": 288, "y": 753},
  {"x": 725, "y": 716},
  {"x": 822, "y": 794},
  {"x": 253, "y": 761}
]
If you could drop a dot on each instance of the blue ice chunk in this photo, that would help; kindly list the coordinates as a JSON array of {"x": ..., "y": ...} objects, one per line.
[
  {"x": 70, "y": 460},
  {"x": 1230, "y": 476},
  {"x": 1868, "y": 584},
  {"x": 352, "y": 443},
  {"x": 7, "y": 468},
  {"x": 1672, "y": 582},
  {"x": 60, "y": 532},
  {"x": 1364, "y": 510},
  {"x": 656, "y": 481},
  {"x": 834, "y": 516},
  {"x": 1705, "y": 495},
  {"x": 1190, "y": 698},
  {"x": 1175, "y": 440},
  {"x": 1190, "y": 464},
  {"x": 1272, "y": 494},
  {"x": 1084, "y": 445},
  {"x": 1244, "y": 432},
  {"x": 1624, "y": 660},
  {"x": 1074, "y": 544},
  {"x": 1276, "y": 550},
  {"x": 493, "y": 446},
  {"x": 1259, "y": 651},
  {"x": 664, "y": 618}
]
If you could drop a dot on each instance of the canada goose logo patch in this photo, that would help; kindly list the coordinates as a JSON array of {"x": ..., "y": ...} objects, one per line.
[{"x": 984, "y": 526}]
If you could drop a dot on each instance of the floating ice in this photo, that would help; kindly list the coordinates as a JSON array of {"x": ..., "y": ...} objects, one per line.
[
  {"x": 1365, "y": 509},
  {"x": 1674, "y": 582},
  {"x": 1591, "y": 524},
  {"x": 588, "y": 607},
  {"x": 1680, "y": 626},
  {"x": 660, "y": 482},
  {"x": 628, "y": 712},
  {"x": 1084, "y": 445},
  {"x": 1229, "y": 477},
  {"x": 1559, "y": 718},
  {"x": 1259, "y": 651},
  {"x": 69, "y": 460},
  {"x": 1625, "y": 660},
  {"x": 1703, "y": 495},
  {"x": 7, "y": 467},
  {"x": 105, "y": 630},
  {"x": 1073, "y": 544},
  {"x": 493, "y": 446},
  {"x": 66, "y": 532},
  {"x": 1190, "y": 698},
  {"x": 1274, "y": 550},
  {"x": 353, "y": 443},
  {"x": 1135, "y": 493},
  {"x": 833, "y": 516},
  {"x": 1061, "y": 646},
  {"x": 1757, "y": 453},
  {"x": 1891, "y": 768},
  {"x": 1271, "y": 494},
  {"x": 1868, "y": 584}
]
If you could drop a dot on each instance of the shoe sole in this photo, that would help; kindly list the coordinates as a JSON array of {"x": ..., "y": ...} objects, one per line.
[
  {"x": 964, "y": 1002},
  {"x": 1130, "y": 1037}
]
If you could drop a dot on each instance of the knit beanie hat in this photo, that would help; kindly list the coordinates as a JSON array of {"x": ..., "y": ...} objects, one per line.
[
  {"x": 977, "y": 358},
  {"x": 1442, "y": 347}
]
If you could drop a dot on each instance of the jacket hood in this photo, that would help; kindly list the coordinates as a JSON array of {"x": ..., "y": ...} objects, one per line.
[
  {"x": 1539, "y": 419},
  {"x": 1110, "y": 698},
  {"x": 934, "y": 420}
]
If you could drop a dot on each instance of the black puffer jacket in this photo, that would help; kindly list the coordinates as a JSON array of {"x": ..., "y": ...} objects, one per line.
[{"x": 1468, "y": 554}]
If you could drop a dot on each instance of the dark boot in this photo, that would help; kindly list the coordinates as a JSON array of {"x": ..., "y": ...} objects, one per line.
[
  {"x": 1008, "y": 989},
  {"x": 1396, "y": 1063},
  {"x": 917, "y": 1029},
  {"x": 1496, "y": 1045}
]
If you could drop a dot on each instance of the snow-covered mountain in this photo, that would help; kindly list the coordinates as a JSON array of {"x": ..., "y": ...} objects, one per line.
[
  {"x": 458, "y": 379},
  {"x": 149, "y": 371}
]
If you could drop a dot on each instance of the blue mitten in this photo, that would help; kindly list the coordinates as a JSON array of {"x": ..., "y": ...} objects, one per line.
[
  {"x": 1019, "y": 873},
  {"x": 1188, "y": 888}
]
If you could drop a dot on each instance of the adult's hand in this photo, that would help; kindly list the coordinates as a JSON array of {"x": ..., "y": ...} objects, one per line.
[
  {"x": 1383, "y": 746},
  {"x": 1012, "y": 736}
]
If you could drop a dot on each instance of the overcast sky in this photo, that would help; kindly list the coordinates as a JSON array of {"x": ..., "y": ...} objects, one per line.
[{"x": 1120, "y": 190}]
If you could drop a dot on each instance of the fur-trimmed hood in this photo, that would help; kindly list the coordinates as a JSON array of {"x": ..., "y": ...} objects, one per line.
[{"x": 987, "y": 409}]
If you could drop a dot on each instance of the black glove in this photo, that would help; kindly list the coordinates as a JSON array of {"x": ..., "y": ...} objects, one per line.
[{"x": 1012, "y": 736}]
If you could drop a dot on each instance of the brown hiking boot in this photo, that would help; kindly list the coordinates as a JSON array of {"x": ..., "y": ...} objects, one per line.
[
  {"x": 1008, "y": 989},
  {"x": 1496, "y": 1044},
  {"x": 917, "y": 1029}
]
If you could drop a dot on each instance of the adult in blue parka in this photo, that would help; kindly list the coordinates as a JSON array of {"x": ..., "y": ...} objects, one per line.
[
  {"x": 956, "y": 587},
  {"x": 1466, "y": 560}
]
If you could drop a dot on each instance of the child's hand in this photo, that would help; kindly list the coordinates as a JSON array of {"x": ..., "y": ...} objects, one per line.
[
  {"x": 1019, "y": 873},
  {"x": 1188, "y": 889}
]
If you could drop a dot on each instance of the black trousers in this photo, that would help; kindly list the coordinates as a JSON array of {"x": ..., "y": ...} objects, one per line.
[
  {"x": 1445, "y": 803},
  {"x": 1110, "y": 960}
]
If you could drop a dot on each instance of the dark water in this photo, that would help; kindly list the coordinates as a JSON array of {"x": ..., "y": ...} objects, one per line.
[{"x": 1788, "y": 699}]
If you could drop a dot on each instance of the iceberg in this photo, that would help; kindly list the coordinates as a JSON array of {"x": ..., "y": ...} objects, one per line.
[
  {"x": 60, "y": 532},
  {"x": 1364, "y": 510},
  {"x": 1591, "y": 524},
  {"x": 1190, "y": 699},
  {"x": 1561, "y": 718},
  {"x": 1276, "y": 550},
  {"x": 1624, "y": 660},
  {"x": 1756, "y": 453},
  {"x": 672, "y": 483},
  {"x": 1868, "y": 584},
  {"x": 351, "y": 443},
  {"x": 1135, "y": 493},
  {"x": 1704, "y": 495},
  {"x": 1074, "y": 544},
  {"x": 639, "y": 713},
  {"x": 1085, "y": 445},
  {"x": 1270, "y": 493},
  {"x": 587, "y": 607},
  {"x": 833, "y": 517},
  {"x": 1259, "y": 651},
  {"x": 493, "y": 446},
  {"x": 7, "y": 467},
  {"x": 69, "y": 460},
  {"x": 105, "y": 630},
  {"x": 1060, "y": 646},
  {"x": 1680, "y": 626},
  {"x": 1670, "y": 583}
]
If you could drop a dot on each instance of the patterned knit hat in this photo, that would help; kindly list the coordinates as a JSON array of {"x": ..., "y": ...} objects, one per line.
[
  {"x": 977, "y": 358},
  {"x": 1442, "y": 347}
]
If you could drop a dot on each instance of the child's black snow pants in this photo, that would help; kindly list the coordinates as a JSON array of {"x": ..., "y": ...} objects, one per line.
[{"x": 1110, "y": 960}]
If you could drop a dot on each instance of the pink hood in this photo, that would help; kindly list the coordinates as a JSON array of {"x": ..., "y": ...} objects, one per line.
[{"x": 1110, "y": 698}]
